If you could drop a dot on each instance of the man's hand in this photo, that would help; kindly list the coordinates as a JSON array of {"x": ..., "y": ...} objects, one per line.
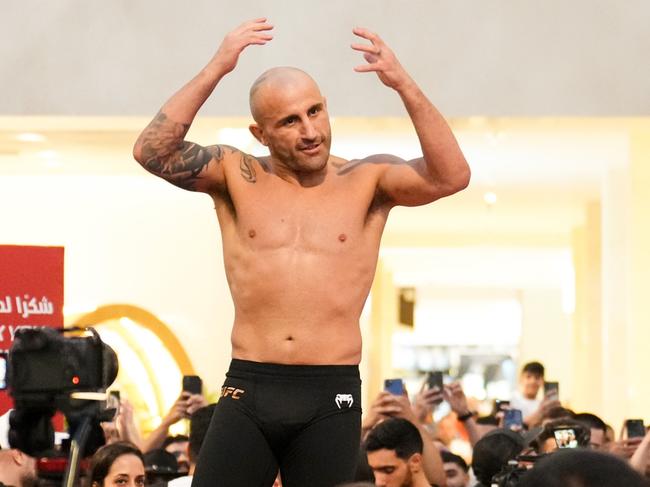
[
  {"x": 248, "y": 33},
  {"x": 381, "y": 408},
  {"x": 624, "y": 448},
  {"x": 456, "y": 398},
  {"x": 381, "y": 60},
  {"x": 426, "y": 401},
  {"x": 549, "y": 403}
]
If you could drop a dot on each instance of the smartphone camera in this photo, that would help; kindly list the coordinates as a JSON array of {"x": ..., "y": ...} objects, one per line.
[{"x": 394, "y": 386}]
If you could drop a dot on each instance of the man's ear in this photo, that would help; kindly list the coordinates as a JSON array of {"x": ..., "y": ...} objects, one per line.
[
  {"x": 415, "y": 463},
  {"x": 258, "y": 133}
]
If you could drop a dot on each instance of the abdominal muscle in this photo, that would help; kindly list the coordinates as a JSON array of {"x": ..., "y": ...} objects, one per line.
[{"x": 298, "y": 307}]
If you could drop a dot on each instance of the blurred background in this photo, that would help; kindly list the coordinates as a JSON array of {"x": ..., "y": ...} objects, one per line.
[{"x": 544, "y": 257}]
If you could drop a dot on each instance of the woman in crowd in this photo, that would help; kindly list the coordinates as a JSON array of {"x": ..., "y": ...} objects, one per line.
[{"x": 118, "y": 464}]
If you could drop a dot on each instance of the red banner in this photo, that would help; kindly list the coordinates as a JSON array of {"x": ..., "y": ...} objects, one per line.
[{"x": 31, "y": 293}]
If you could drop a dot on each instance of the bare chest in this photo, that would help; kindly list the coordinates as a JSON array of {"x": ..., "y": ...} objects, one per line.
[{"x": 270, "y": 214}]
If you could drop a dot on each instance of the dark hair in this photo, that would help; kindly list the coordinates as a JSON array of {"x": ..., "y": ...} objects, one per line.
[
  {"x": 582, "y": 468},
  {"x": 174, "y": 439},
  {"x": 533, "y": 368},
  {"x": 103, "y": 459},
  {"x": 396, "y": 434},
  {"x": 199, "y": 423},
  {"x": 493, "y": 452},
  {"x": 559, "y": 413},
  {"x": 449, "y": 457},
  {"x": 591, "y": 420}
]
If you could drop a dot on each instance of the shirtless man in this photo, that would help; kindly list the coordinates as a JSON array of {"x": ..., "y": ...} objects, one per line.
[{"x": 301, "y": 230}]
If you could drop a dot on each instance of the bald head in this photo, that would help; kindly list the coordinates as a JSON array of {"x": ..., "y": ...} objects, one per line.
[{"x": 270, "y": 82}]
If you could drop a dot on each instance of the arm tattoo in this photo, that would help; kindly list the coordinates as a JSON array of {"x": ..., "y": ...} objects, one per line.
[
  {"x": 167, "y": 155},
  {"x": 247, "y": 168}
]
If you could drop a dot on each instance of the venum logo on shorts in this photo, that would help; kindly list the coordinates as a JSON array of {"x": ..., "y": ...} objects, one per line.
[
  {"x": 232, "y": 392},
  {"x": 344, "y": 400}
]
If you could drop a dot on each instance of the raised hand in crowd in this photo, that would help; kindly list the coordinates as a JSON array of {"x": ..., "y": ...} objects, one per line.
[
  {"x": 183, "y": 408},
  {"x": 122, "y": 427},
  {"x": 384, "y": 406},
  {"x": 640, "y": 460},
  {"x": 426, "y": 400},
  {"x": 548, "y": 404},
  {"x": 126, "y": 426}
]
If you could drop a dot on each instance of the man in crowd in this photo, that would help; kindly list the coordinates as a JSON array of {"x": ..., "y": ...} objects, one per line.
[
  {"x": 597, "y": 428},
  {"x": 533, "y": 409},
  {"x": 394, "y": 449},
  {"x": 456, "y": 470},
  {"x": 387, "y": 405},
  {"x": 301, "y": 230},
  {"x": 178, "y": 446},
  {"x": 17, "y": 469}
]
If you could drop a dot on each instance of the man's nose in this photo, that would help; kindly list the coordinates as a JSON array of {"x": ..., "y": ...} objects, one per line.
[{"x": 308, "y": 130}]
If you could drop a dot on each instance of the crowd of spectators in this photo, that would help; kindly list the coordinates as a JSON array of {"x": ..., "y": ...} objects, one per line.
[{"x": 531, "y": 440}]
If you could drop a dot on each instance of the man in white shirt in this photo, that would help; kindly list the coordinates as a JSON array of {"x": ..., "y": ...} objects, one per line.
[{"x": 531, "y": 381}]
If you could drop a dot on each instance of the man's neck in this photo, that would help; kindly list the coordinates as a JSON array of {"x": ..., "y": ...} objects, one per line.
[{"x": 306, "y": 179}]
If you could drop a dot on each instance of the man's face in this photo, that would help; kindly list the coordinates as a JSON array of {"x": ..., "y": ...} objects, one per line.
[
  {"x": 456, "y": 476},
  {"x": 29, "y": 475},
  {"x": 530, "y": 384},
  {"x": 389, "y": 469},
  {"x": 179, "y": 450},
  {"x": 295, "y": 125},
  {"x": 597, "y": 440}
]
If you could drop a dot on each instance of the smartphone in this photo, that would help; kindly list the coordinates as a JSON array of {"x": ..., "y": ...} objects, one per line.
[
  {"x": 565, "y": 438},
  {"x": 513, "y": 419},
  {"x": 635, "y": 428},
  {"x": 501, "y": 406},
  {"x": 192, "y": 384},
  {"x": 113, "y": 402},
  {"x": 434, "y": 380},
  {"x": 552, "y": 389},
  {"x": 394, "y": 386}
]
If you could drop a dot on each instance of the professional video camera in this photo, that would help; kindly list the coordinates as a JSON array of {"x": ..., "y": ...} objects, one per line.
[{"x": 47, "y": 371}]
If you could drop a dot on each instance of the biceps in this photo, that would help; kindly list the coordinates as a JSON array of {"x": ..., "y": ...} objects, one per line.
[
  {"x": 409, "y": 183},
  {"x": 188, "y": 165}
]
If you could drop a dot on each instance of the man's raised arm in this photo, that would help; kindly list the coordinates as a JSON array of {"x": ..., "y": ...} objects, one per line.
[
  {"x": 443, "y": 169},
  {"x": 162, "y": 149}
]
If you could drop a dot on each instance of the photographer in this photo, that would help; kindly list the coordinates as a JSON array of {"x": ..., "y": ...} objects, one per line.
[{"x": 495, "y": 458}]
